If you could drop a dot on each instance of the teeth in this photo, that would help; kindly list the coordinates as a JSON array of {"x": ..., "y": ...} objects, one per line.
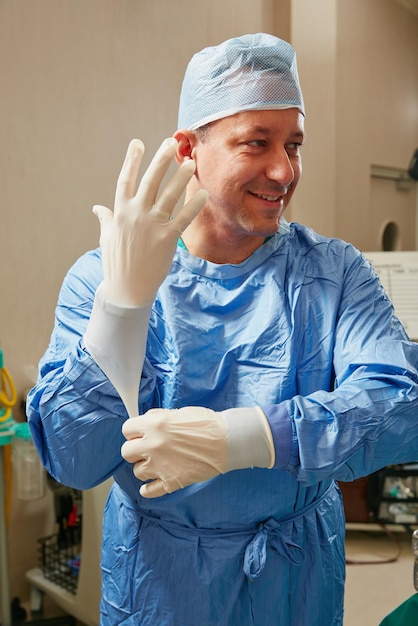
[{"x": 269, "y": 198}]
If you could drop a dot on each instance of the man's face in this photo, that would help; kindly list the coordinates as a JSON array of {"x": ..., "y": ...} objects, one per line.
[{"x": 250, "y": 163}]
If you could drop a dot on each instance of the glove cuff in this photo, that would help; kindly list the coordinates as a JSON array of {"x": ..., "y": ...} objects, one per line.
[
  {"x": 250, "y": 442},
  {"x": 116, "y": 339}
]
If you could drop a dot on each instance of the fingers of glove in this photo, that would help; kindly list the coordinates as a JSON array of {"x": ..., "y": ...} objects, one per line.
[
  {"x": 171, "y": 480},
  {"x": 154, "y": 489},
  {"x": 187, "y": 214},
  {"x": 151, "y": 180},
  {"x": 173, "y": 190},
  {"x": 133, "y": 427},
  {"x": 127, "y": 180},
  {"x": 132, "y": 450}
]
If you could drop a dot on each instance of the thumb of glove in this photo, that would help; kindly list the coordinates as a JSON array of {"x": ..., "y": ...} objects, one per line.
[{"x": 104, "y": 215}]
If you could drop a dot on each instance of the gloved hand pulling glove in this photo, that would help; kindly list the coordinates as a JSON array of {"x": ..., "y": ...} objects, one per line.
[
  {"x": 138, "y": 240},
  {"x": 178, "y": 447}
]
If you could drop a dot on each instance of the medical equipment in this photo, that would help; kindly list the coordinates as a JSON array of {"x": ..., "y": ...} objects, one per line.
[
  {"x": 29, "y": 473},
  {"x": 7, "y": 400},
  {"x": 7, "y": 392},
  {"x": 29, "y": 482}
]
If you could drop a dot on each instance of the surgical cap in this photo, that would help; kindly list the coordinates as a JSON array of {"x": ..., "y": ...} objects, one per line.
[{"x": 252, "y": 72}]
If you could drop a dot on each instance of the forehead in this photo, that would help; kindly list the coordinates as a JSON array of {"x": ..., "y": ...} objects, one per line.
[{"x": 283, "y": 121}]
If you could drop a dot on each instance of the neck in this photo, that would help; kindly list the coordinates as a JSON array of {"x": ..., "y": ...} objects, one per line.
[{"x": 218, "y": 248}]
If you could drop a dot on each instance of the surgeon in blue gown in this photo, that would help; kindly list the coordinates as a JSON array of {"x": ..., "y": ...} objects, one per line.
[{"x": 226, "y": 367}]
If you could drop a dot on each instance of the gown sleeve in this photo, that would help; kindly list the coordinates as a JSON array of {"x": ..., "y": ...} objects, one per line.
[
  {"x": 369, "y": 418},
  {"x": 74, "y": 412}
]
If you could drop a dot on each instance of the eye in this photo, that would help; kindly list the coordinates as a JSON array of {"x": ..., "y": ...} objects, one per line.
[
  {"x": 294, "y": 148},
  {"x": 256, "y": 143}
]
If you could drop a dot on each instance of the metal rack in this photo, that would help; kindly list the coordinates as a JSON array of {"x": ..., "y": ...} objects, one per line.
[
  {"x": 393, "y": 495},
  {"x": 81, "y": 599}
]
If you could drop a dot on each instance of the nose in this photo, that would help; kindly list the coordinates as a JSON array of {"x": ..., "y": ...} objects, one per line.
[{"x": 279, "y": 168}]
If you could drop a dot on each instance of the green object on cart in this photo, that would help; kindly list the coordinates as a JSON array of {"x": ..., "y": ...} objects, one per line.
[
  {"x": 22, "y": 430},
  {"x": 7, "y": 430},
  {"x": 404, "y": 615}
]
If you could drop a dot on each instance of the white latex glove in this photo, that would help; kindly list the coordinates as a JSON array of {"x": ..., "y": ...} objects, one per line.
[
  {"x": 116, "y": 338},
  {"x": 178, "y": 447},
  {"x": 139, "y": 238},
  {"x": 138, "y": 242}
]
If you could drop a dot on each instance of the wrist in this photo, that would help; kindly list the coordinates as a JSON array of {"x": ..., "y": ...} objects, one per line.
[{"x": 118, "y": 296}]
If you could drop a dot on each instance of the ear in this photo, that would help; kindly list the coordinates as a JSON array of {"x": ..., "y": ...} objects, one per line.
[{"x": 186, "y": 142}]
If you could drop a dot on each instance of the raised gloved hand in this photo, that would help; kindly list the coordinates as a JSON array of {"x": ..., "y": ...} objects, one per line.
[
  {"x": 138, "y": 242},
  {"x": 139, "y": 238},
  {"x": 178, "y": 447}
]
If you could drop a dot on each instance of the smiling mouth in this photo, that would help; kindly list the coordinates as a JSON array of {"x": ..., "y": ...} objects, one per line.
[{"x": 269, "y": 198}]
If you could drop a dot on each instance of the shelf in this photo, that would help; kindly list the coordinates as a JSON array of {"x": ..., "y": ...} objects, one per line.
[{"x": 63, "y": 598}]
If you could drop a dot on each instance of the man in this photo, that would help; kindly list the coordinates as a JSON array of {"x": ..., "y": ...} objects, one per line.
[{"x": 258, "y": 362}]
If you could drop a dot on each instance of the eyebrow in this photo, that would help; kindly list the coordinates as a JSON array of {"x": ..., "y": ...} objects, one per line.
[{"x": 263, "y": 130}]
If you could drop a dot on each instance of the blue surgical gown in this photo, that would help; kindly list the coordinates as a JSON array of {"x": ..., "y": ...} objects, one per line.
[{"x": 302, "y": 328}]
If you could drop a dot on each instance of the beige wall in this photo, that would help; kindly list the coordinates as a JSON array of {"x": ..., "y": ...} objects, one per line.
[
  {"x": 359, "y": 72},
  {"x": 313, "y": 34},
  {"x": 377, "y": 111},
  {"x": 79, "y": 79}
]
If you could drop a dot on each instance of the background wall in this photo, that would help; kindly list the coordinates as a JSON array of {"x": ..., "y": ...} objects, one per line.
[
  {"x": 358, "y": 69},
  {"x": 377, "y": 115},
  {"x": 80, "y": 79}
]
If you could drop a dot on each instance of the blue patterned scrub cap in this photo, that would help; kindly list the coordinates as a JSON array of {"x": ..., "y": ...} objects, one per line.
[{"x": 252, "y": 72}]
